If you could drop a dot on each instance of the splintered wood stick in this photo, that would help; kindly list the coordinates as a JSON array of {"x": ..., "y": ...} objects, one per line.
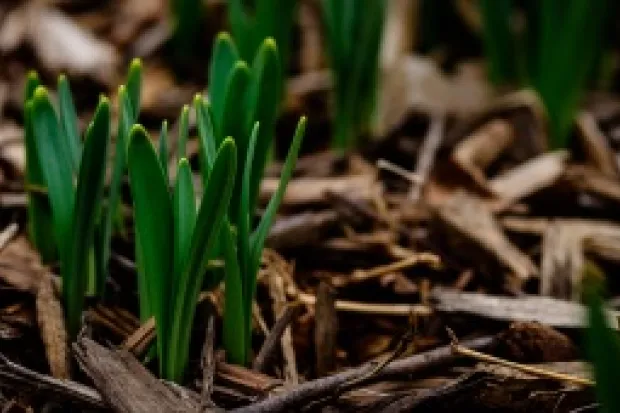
[{"x": 536, "y": 371}]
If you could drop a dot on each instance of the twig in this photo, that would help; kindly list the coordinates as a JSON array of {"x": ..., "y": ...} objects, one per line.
[
  {"x": 418, "y": 258},
  {"x": 271, "y": 342},
  {"x": 429, "y": 148},
  {"x": 8, "y": 234},
  {"x": 14, "y": 375},
  {"x": 320, "y": 387},
  {"x": 371, "y": 308},
  {"x": 399, "y": 171},
  {"x": 468, "y": 352}
]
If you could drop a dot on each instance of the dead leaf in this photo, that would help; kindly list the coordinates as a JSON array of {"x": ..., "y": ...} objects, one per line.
[{"x": 52, "y": 325}]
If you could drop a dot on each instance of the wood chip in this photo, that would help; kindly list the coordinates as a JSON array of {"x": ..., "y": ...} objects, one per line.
[
  {"x": 480, "y": 148},
  {"x": 467, "y": 217},
  {"x": 20, "y": 266},
  {"x": 125, "y": 383},
  {"x": 62, "y": 45},
  {"x": 596, "y": 145},
  {"x": 593, "y": 182},
  {"x": 52, "y": 325},
  {"x": 529, "y": 177},
  {"x": 304, "y": 191},
  {"x": 426, "y": 157},
  {"x": 545, "y": 310},
  {"x": 300, "y": 229},
  {"x": 562, "y": 262}
]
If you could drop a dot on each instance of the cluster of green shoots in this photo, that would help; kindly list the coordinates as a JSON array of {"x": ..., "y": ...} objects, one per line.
[
  {"x": 560, "y": 50},
  {"x": 353, "y": 33},
  {"x": 65, "y": 178},
  {"x": 176, "y": 240}
]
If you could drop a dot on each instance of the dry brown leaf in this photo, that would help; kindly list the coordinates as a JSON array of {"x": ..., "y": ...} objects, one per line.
[
  {"x": 62, "y": 45},
  {"x": 52, "y": 325}
]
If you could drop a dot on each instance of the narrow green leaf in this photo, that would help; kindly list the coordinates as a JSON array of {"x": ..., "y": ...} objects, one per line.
[
  {"x": 134, "y": 87},
  {"x": 603, "y": 349},
  {"x": 118, "y": 170},
  {"x": 262, "y": 106},
  {"x": 246, "y": 209},
  {"x": 206, "y": 134},
  {"x": 55, "y": 162},
  {"x": 257, "y": 241},
  {"x": 184, "y": 209},
  {"x": 87, "y": 207},
  {"x": 211, "y": 215},
  {"x": 163, "y": 149},
  {"x": 40, "y": 221},
  {"x": 236, "y": 340},
  {"x": 183, "y": 131},
  {"x": 154, "y": 228},
  {"x": 235, "y": 97},
  {"x": 69, "y": 121},
  {"x": 223, "y": 59}
]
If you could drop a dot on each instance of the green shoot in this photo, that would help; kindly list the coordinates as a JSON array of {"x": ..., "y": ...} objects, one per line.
[
  {"x": 267, "y": 19},
  {"x": 556, "y": 55},
  {"x": 234, "y": 85},
  {"x": 603, "y": 350},
  {"x": 173, "y": 280},
  {"x": 353, "y": 35},
  {"x": 74, "y": 212},
  {"x": 40, "y": 223}
]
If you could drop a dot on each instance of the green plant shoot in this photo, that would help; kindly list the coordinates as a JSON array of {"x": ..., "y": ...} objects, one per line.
[
  {"x": 175, "y": 241},
  {"x": 353, "y": 35}
]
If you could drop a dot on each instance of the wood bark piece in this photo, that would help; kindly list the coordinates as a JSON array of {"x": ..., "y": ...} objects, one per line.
[
  {"x": 593, "y": 182},
  {"x": 325, "y": 329},
  {"x": 545, "y": 310},
  {"x": 52, "y": 326},
  {"x": 479, "y": 149},
  {"x": 529, "y": 177},
  {"x": 315, "y": 389},
  {"x": 20, "y": 266},
  {"x": 13, "y": 375},
  {"x": 125, "y": 383},
  {"x": 466, "y": 217},
  {"x": 304, "y": 191},
  {"x": 300, "y": 229},
  {"x": 562, "y": 262},
  {"x": 596, "y": 146}
]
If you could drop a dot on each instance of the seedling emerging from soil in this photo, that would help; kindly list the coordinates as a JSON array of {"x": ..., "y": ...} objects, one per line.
[
  {"x": 560, "y": 49},
  {"x": 353, "y": 34},
  {"x": 235, "y": 86},
  {"x": 56, "y": 159},
  {"x": 267, "y": 18},
  {"x": 174, "y": 242}
]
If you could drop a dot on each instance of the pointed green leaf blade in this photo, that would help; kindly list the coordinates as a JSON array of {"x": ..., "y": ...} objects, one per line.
[
  {"x": 206, "y": 135},
  {"x": 40, "y": 221},
  {"x": 69, "y": 121},
  {"x": 257, "y": 241},
  {"x": 55, "y": 162},
  {"x": 163, "y": 149},
  {"x": 154, "y": 229},
  {"x": 213, "y": 206},
  {"x": 236, "y": 340},
  {"x": 134, "y": 87},
  {"x": 183, "y": 131},
  {"x": 87, "y": 207},
  {"x": 184, "y": 209},
  {"x": 262, "y": 106},
  {"x": 224, "y": 56}
]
